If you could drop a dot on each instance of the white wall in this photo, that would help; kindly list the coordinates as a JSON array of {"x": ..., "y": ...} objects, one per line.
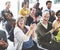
[{"x": 14, "y": 6}]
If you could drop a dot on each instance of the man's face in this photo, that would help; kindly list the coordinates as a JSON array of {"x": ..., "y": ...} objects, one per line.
[
  {"x": 49, "y": 5},
  {"x": 8, "y": 5}
]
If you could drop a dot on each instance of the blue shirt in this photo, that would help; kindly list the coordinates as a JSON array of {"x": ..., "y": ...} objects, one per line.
[{"x": 29, "y": 43}]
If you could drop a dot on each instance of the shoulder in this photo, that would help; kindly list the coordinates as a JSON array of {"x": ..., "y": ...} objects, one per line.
[
  {"x": 21, "y": 9},
  {"x": 55, "y": 21},
  {"x": 17, "y": 28},
  {"x": 2, "y": 32}
]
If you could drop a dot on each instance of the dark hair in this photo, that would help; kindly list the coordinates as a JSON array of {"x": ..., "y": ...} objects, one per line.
[
  {"x": 37, "y": 4},
  {"x": 57, "y": 13},
  {"x": 48, "y": 2},
  {"x": 23, "y": 3},
  {"x": 11, "y": 14},
  {"x": 37, "y": 15},
  {"x": 33, "y": 22},
  {"x": 32, "y": 8},
  {"x": 7, "y": 2}
]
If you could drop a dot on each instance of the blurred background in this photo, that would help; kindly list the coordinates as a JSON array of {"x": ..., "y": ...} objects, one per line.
[{"x": 16, "y": 5}]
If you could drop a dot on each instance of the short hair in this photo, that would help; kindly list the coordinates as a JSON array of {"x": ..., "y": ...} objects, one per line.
[
  {"x": 57, "y": 13},
  {"x": 7, "y": 2},
  {"x": 37, "y": 4},
  {"x": 48, "y": 2}
]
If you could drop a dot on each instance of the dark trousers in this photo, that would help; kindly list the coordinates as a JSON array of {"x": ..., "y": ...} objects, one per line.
[{"x": 51, "y": 46}]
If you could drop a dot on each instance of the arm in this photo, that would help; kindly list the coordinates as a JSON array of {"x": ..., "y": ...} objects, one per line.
[
  {"x": 3, "y": 42},
  {"x": 20, "y": 36}
]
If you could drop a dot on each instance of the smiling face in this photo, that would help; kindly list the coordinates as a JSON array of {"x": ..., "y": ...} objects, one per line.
[
  {"x": 46, "y": 17},
  {"x": 49, "y": 5},
  {"x": 8, "y": 5},
  {"x": 21, "y": 22}
]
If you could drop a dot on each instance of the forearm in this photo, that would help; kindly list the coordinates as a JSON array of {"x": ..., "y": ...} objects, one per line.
[{"x": 29, "y": 33}]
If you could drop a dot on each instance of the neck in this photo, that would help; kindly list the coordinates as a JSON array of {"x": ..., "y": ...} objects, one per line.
[
  {"x": 7, "y": 9},
  {"x": 44, "y": 22},
  {"x": 31, "y": 15},
  {"x": 59, "y": 21},
  {"x": 49, "y": 8},
  {"x": 24, "y": 8}
]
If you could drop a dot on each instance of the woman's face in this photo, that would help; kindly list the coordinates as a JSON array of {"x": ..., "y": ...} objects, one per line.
[
  {"x": 26, "y": 5},
  {"x": 46, "y": 17},
  {"x": 21, "y": 23},
  {"x": 59, "y": 16}
]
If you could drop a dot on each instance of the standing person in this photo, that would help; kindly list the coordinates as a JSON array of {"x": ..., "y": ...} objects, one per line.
[
  {"x": 25, "y": 35},
  {"x": 31, "y": 16},
  {"x": 24, "y": 11},
  {"x": 44, "y": 32},
  {"x": 49, "y": 5},
  {"x": 6, "y": 10}
]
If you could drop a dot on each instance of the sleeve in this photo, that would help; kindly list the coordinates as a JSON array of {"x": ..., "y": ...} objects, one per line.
[
  {"x": 22, "y": 12},
  {"x": 20, "y": 36}
]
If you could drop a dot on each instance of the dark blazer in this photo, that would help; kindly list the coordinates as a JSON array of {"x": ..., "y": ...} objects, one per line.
[
  {"x": 41, "y": 33},
  {"x": 4, "y": 37}
]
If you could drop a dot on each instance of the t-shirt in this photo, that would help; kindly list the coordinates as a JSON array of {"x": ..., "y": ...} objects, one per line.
[
  {"x": 24, "y": 13},
  {"x": 55, "y": 24}
]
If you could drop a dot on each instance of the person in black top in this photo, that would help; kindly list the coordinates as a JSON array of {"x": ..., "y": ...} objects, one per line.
[
  {"x": 31, "y": 17},
  {"x": 3, "y": 40}
]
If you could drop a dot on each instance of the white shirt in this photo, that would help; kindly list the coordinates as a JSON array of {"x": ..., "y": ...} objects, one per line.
[{"x": 19, "y": 37}]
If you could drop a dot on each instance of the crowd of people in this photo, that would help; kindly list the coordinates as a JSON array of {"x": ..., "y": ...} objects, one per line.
[{"x": 34, "y": 29}]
